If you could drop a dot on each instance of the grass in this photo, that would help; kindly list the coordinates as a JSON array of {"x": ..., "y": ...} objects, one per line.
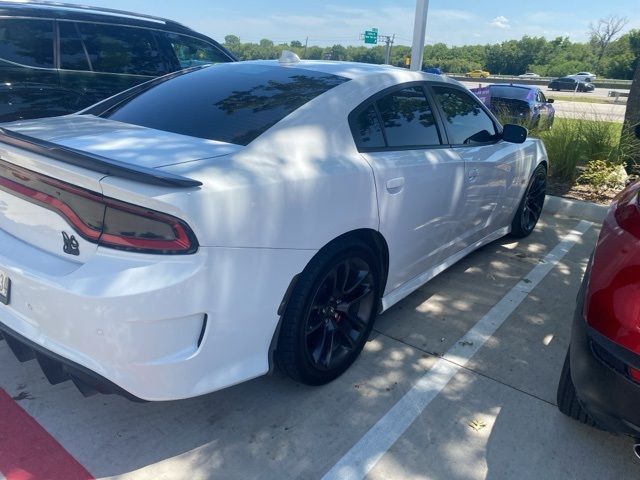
[
  {"x": 607, "y": 101},
  {"x": 571, "y": 143}
]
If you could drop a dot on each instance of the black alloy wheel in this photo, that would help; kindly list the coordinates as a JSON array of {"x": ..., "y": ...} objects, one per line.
[
  {"x": 330, "y": 313},
  {"x": 530, "y": 208},
  {"x": 340, "y": 313}
]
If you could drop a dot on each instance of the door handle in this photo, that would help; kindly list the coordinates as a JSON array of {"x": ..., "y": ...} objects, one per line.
[
  {"x": 394, "y": 185},
  {"x": 473, "y": 174}
]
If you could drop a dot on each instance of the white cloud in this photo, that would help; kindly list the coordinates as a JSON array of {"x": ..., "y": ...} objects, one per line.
[{"x": 500, "y": 22}]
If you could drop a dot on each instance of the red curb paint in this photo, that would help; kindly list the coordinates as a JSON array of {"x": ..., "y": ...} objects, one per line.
[{"x": 29, "y": 452}]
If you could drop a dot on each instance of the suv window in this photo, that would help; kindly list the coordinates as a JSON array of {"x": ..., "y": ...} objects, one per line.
[
  {"x": 228, "y": 102},
  {"x": 73, "y": 55},
  {"x": 117, "y": 49},
  {"x": 466, "y": 120},
  {"x": 28, "y": 42},
  {"x": 407, "y": 119},
  {"x": 192, "y": 52}
]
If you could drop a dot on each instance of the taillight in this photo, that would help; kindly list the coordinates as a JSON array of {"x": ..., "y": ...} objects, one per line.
[
  {"x": 130, "y": 227},
  {"x": 98, "y": 219}
]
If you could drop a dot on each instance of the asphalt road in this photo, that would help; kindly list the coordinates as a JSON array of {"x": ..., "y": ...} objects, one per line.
[
  {"x": 484, "y": 402},
  {"x": 590, "y": 111}
]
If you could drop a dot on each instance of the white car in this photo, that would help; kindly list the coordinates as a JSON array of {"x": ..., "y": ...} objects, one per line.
[
  {"x": 583, "y": 77},
  {"x": 529, "y": 75},
  {"x": 190, "y": 233}
]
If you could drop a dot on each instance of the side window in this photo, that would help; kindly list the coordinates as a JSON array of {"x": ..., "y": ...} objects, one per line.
[
  {"x": 116, "y": 49},
  {"x": 540, "y": 97},
  {"x": 192, "y": 52},
  {"x": 407, "y": 119},
  {"x": 73, "y": 55},
  {"x": 368, "y": 130},
  {"x": 28, "y": 42},
  {"x": 466, "y": 121}
]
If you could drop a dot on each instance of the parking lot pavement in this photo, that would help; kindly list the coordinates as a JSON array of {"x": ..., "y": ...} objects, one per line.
[{"x": 496, "y": 418}]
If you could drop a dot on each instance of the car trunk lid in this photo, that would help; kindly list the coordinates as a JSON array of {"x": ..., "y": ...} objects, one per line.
[{"x": 40, "y": 191}]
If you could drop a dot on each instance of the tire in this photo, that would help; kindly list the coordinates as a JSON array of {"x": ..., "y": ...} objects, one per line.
[
  {"x": 567, "y": 399},
  {"x": 534, "y": 123},
  {"x": 530, "y": 208},
  {"x": 550, "y": 122},
  {"x": 330, "y": 313}
]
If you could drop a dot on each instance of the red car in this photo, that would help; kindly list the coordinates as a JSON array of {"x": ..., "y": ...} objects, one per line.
[{"x": 600, "y": 381}]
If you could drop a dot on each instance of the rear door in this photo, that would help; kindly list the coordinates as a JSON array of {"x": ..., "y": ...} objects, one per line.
[
  {"x": 493, "y": 173},
  {"x": 100, "y": 60},
  {"x": 418, "y": 179}
]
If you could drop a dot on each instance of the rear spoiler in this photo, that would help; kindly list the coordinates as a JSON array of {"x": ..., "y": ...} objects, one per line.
[{"x": 94, "y": 162}]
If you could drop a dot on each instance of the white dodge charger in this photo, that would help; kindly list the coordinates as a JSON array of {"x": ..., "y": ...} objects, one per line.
[{"x": 194, "y": 231}]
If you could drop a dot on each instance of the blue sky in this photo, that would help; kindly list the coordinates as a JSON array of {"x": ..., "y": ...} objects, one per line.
[{"x": 454, "y": 22}]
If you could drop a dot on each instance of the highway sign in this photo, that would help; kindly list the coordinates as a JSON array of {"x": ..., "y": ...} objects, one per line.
[{"x": 371, "y": 36}]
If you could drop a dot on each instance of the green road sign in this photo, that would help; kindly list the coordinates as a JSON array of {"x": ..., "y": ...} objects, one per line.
[{"x": 371, "y": 36}]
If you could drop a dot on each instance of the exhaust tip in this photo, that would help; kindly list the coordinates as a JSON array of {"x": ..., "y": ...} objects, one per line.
[{"x": 636, "y": 450}]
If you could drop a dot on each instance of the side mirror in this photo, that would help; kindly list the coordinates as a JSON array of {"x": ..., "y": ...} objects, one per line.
[
  {"x": 550, "y": 100},
  {"x": 514, "y": 133}
]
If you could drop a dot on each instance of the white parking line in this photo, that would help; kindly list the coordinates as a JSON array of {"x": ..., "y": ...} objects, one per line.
[{"x": 364, "y": 455}]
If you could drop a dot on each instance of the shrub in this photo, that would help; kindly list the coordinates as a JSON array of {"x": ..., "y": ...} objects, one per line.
[
  {"x": 564, "y": 147},
  {"x": 600, "y": 139},
  {"x": 574, "y": 142},
  {"x": 601, "y": 174}
]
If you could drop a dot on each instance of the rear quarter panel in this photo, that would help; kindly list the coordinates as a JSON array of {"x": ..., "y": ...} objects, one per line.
[{"x": 299, "y": 185}]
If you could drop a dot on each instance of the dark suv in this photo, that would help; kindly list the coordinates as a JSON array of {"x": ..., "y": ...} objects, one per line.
[{"x": 58, "y": 58}]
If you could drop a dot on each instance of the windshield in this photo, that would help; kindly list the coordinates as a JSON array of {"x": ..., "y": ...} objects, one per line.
[{"x": 233, "y": 103}]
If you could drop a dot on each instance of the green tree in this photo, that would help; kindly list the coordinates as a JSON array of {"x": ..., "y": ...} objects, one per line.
[{"x": 556, "y": 57}]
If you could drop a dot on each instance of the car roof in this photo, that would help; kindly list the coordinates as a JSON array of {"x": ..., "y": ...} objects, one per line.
[
  {"x": 358, "y": 71},
  {"x": 68, "y": 11}
]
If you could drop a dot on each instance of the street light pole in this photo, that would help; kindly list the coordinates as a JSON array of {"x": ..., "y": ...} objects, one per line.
[{"x": 419, "y": 29}]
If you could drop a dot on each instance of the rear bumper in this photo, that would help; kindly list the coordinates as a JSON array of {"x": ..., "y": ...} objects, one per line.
[
  {"x": 598, "y": 371},
  {"x": 148, "y": 326},
  {"x": 58, "y": 369}
]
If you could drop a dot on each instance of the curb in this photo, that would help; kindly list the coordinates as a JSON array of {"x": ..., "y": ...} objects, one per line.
[{"x": 575, "y": 208}]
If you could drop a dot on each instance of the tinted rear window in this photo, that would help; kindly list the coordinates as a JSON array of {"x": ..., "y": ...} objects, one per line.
[
  {"x": 72, "y": 52},
  {"x": 193, "y": 52},
  {"x": 28, "y": 42},
  {"x": 517, "y": 93},
  {"x": 231, "y": 102},
  {"x": 407, "y": 118},
  {"x": 115, "y": 49},
  {"x": 368, "y": 130}
]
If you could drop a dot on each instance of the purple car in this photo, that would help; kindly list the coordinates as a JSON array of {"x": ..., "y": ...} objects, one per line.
[{"x": 521, "y": 104}]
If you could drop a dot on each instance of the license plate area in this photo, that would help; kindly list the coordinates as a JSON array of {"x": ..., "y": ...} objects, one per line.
[{"x": 5, "y": 287}]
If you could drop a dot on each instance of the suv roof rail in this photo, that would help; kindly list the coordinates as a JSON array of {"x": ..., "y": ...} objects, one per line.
[{"x": 89, "y": 9}]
